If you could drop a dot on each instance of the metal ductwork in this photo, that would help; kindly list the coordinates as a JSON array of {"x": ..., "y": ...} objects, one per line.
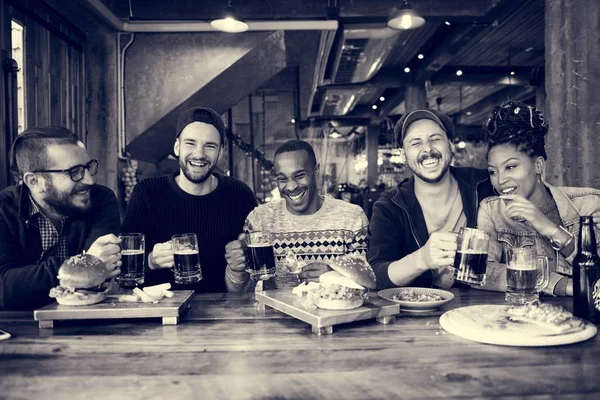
[{"x": 361, "y": 52}]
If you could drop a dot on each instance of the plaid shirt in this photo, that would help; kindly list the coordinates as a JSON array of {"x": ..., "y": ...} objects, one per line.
[{"x": 54, "y": 242}]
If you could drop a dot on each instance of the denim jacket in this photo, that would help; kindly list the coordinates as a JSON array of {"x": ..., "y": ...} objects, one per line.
[{"x": 572, "y": 202}]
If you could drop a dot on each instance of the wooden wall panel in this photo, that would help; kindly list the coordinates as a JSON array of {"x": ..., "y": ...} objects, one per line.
[{"x": 53, "y": 68}]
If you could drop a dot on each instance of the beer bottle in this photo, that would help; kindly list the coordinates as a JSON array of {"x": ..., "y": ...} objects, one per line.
[{"x": 586, "y": 273}]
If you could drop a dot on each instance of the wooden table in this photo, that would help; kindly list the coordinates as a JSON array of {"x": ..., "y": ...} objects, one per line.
[{"x": 225, "y": 347}]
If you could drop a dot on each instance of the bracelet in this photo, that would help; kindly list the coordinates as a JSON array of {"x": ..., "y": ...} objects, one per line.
[{"x": 556, "y": 243}]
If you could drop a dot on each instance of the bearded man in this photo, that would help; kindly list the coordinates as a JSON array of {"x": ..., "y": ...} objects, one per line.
[
  {"x": 195, "y": 200},
  {"x": 413, "y": 229},
  {"x": 57, "y": 211}
]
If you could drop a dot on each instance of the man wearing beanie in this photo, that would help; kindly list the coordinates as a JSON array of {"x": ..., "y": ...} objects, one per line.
[
  {"x": 195, "y": 200},
  {"x": 412, "y": 232}
]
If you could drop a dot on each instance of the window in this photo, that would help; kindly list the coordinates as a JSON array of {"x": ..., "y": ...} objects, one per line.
[{"x": 18, "y": 54}]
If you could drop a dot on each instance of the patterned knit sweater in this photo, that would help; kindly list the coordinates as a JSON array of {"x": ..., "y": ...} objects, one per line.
[{"x": 336, "y": 228}]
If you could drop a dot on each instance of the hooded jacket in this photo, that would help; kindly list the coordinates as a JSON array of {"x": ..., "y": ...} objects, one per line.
[{"x": 397, "y": 227}]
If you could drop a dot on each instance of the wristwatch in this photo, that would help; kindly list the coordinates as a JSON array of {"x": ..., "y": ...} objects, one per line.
[{"x": 555, "y": 240}]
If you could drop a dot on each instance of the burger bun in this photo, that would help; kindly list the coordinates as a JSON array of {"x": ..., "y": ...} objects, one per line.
[
  {"x": 356, "y": 268},
  {"x": 82, "y": 271}
]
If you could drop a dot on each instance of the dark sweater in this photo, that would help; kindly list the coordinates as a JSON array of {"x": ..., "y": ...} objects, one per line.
[
  {"x": 24, "y": 279},
  {"x": 159, "y": 208}
]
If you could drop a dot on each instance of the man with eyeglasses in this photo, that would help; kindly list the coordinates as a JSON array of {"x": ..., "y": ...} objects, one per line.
[{"x": 56, "y": 211}]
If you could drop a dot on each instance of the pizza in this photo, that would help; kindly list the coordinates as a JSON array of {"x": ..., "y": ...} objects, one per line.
[{"x": 553, "y": 318}]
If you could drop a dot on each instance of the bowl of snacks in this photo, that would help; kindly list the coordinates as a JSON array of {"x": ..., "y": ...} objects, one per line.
[{"x": 416, "y": 299}]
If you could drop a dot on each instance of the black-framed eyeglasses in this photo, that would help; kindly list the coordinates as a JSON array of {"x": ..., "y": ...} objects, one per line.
[{"x": 77, "y": 172}]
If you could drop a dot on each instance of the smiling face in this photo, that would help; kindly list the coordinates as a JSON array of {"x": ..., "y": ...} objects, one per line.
[
  {"x": 514, "y": 172},
  {"x": 60, "y": 193},
  {"x": 296, "y": 180},
  {"x": 199, "y": 149},
  {"x": 428, "y": 150}
]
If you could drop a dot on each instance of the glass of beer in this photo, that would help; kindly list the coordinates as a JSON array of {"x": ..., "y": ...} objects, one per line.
[
  {"x": 470, "y": 262},
  {"x": 132, "y": 259},
  {"x": 527, "y": 275},
  {"x": 260, "y": 257},
  {"x": 187, "y": 259}
]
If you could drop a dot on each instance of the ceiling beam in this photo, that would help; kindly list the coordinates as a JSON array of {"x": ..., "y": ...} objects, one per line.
[
  {"x": 478, "y": 111},
  {"x": 292, "y": 9},
  {"x": 385, "y": 78},
  {"x": 391, "y": 101},
  {"x": 482, "y": 76},
  {"x": 459, "y": 37},
  {"x": 441, "y": 48}
]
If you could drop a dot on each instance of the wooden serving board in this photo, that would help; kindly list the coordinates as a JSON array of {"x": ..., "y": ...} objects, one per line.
[
  {"x": 111, "y": 308},
  {"x": 490, "y": 324},
  {"x": 322, "y": 321}
]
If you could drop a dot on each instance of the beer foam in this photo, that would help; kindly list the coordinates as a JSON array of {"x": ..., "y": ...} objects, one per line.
[
  {"x": 131, "y": 252},
  {"x": 185, "y": 252},
  {"x": 470, "y": 251},
  {"x": 521, "y": 267}
]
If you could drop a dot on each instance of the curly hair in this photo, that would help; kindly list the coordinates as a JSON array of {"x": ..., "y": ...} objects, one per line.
[{"x": 518, "y": 124}]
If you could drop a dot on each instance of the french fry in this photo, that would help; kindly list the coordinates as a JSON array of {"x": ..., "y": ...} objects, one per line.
[
  {"x": 168, "y": 294},
  {"x": 146, "y": 298}
]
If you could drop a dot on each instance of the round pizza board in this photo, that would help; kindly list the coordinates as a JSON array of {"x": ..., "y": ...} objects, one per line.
[{"x": 491, "y": 324}]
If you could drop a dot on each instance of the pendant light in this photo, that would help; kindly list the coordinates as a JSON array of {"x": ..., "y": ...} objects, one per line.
[
  {"x": 229, "y": 23},
  {"x": 405, "y": 18}
]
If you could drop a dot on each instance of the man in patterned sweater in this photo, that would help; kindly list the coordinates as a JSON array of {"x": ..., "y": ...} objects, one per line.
[{"x": 304, "y": 225}]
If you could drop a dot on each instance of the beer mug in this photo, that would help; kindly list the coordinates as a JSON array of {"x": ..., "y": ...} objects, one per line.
[
  {"x": 187, "y": 267},
  {"x": 260, "y": 257},
  {"x": 470, "y": 261},
  {"x": 527, "y": 275},
  {"x": 132, "y": 260}
]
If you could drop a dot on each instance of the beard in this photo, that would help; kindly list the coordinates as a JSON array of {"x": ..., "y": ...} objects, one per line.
[
  {"x": 193, "y": 176},
  {"x": 64, "y": 203},
  {"x": 437, "y": 155}
]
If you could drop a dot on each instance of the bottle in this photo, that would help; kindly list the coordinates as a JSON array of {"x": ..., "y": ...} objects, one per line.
[{"x": 586, "y": 273}]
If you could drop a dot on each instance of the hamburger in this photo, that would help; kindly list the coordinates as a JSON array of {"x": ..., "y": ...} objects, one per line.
[
  {"x": 82, "y": 281},
  {"x": 345, "y": 287}
]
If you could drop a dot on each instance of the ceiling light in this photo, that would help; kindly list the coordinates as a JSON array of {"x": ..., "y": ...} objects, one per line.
[
  {"x": 461, "y": 145},
  {"x": 374, "y": 106},
  {"x": 469, "y": 113},
  {"x": 405, "y": 18},
  {"x": 229, "y": 23},
  {"x": 459, "y": 72},
  {"x": 407, "y": 70},
  {"x": 447, "y": 23},
  {"x": 293, "y": 121},
  {"x": 420, "y": 56},
  {"x": 512, "y": 72},
  {"x": 382, "y": 98}
]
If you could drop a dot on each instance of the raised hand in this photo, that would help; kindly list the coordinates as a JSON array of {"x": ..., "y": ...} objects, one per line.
[
  {"x": 521, "y": 209},
  {"x": 161, "y": 256},
  {"x": 440, "y": 249}
]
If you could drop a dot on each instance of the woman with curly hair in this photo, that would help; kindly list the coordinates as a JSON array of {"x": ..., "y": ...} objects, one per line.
[{"x": 529, "y": 212}]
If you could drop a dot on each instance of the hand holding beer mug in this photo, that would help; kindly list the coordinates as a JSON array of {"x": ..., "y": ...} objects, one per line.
[
  {"x": 527, "y": 274},
  {"x": 470, "y": 262},
  {"x": 187, "y": 259},
  {"x": 260, "y": 258},
  {"x": 133, "y": 259}
]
